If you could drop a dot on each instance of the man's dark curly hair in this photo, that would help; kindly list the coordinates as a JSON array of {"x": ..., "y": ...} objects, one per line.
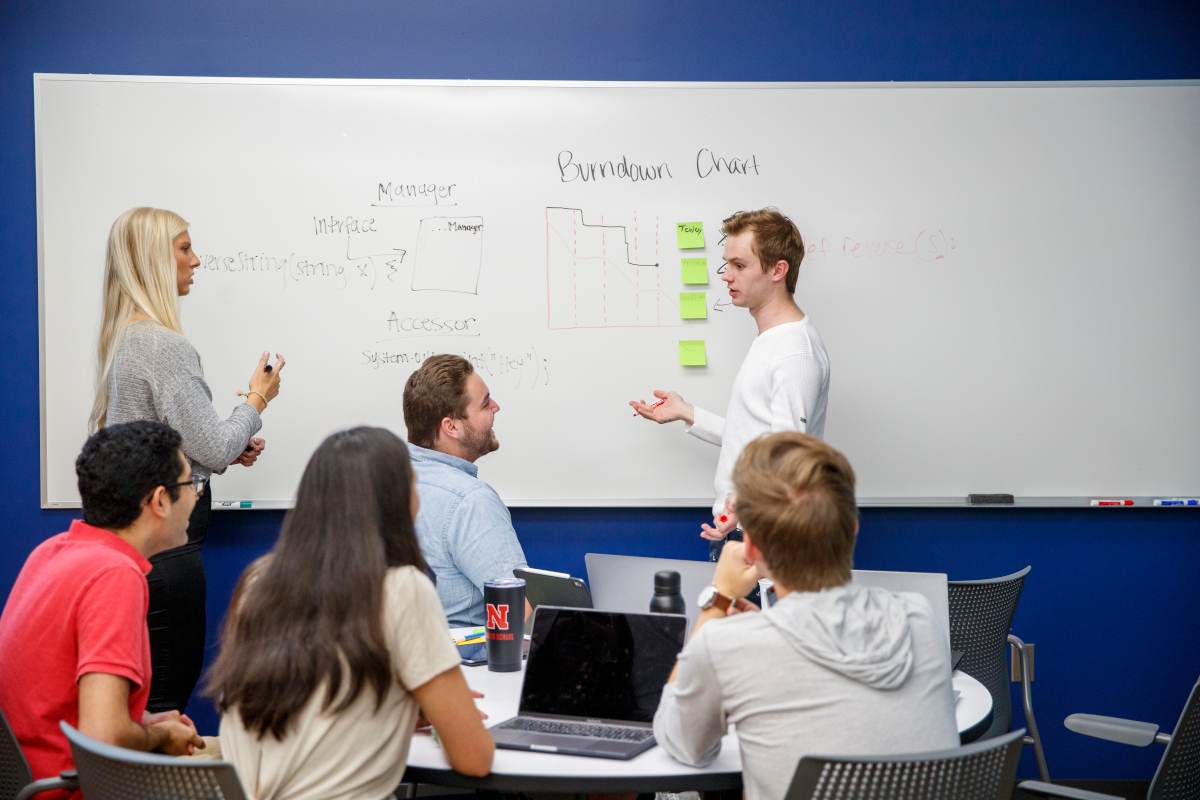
[{"x": 121, "y": 465}]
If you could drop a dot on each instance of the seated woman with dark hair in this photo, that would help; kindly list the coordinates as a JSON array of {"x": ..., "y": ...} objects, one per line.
[{"x": 336, "y": 640}]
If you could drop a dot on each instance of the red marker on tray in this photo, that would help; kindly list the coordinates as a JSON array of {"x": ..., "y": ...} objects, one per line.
[{"x": 1112, "y": 502}]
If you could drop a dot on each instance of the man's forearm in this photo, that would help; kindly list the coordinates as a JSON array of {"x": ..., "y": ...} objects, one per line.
[
  {"x": 705, "y": 615},
  {"x": 155, "y": 736},
  {"x": 136, "y": 736}
]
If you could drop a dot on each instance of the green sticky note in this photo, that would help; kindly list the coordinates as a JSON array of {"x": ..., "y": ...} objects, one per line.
[
  {"x": 694, "y": 270},
  {"x": 693, "y": 305},
  {"x": 691, "y": 354},
  {"x": 690, "y": 235}
]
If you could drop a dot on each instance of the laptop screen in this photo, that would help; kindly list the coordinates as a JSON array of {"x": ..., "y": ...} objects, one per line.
[{"x": 599, "y": 664}]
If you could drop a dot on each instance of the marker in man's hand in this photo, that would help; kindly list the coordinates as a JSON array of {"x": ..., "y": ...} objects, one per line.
[
  {"x": 267, "y": 368},
  {"x": 652, "y": 407}
]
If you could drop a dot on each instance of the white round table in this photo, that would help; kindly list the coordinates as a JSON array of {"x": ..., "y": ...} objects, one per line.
[{"x": 653, "y": 770}]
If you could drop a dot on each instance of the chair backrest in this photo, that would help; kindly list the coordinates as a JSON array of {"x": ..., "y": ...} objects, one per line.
[
  {"x": 15, "y": 774},
  {"x": 981, "y": 615},
  {"x": 114, "y": 773},
  {"x": 978, "y": 771},
  {"x": 1178, "y": 774}
]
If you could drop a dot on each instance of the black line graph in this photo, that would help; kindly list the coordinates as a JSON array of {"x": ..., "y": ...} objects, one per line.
[{"x": 602, "y": 275}]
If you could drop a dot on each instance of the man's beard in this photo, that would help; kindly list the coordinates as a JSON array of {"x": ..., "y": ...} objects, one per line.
[{"x": 478, "y": 442}]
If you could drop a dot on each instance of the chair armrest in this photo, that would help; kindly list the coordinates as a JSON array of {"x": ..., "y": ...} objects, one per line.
[
  {"x": 1114, "y": 729},
  {"x": 1050, "y": 790},
  {"x": 68, "y": 779}
]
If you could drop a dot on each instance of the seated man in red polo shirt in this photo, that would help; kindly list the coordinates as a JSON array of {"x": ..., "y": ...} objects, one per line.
[{"x": 73, "y": 639}]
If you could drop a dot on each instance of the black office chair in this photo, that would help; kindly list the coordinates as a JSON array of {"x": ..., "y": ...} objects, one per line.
[
  {"x": 1178, "y": 774},
  {"x": 16, "y": 780},
  {"x": 981, "y": 771},
  {"x": 981, "y": 615},
  {"x": 114, "y": 773}
]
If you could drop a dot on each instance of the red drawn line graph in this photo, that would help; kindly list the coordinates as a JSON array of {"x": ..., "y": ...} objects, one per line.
[{"x": 590, "y": 283}]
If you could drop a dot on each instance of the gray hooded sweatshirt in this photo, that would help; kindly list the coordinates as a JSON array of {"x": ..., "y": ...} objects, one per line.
[{"x": 851, "y": 670}]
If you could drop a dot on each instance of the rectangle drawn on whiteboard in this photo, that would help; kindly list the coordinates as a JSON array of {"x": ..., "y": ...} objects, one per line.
[
  {"x": 601, "y": 275},
  {"x": 449, "y": 255}
]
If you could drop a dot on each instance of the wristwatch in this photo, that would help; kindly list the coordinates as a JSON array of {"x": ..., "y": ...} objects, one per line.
[{"x": 711, "y": 598}]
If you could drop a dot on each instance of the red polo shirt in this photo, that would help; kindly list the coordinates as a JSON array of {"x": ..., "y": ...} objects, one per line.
[{"x": 78, "y": 606}]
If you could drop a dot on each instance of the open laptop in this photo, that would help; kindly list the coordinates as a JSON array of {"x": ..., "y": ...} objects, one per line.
[
  {"x": 626, "y": 583},
  {"x": 545, "y": 588},
  {"x": 592, "y": 682},
  {"x": 933, "y": 585}
]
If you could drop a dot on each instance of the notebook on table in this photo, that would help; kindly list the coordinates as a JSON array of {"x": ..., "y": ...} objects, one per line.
[{"x": 593, "y": 682}]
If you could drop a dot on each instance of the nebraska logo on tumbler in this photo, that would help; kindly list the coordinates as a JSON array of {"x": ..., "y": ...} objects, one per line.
[{"x": 497, "y": 616}]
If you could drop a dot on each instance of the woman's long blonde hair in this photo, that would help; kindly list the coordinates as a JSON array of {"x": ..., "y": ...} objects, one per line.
[{"x": 139, "y": 275}]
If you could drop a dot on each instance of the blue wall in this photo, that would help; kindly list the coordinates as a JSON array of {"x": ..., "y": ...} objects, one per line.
[{"x": 1111, "y": 602}]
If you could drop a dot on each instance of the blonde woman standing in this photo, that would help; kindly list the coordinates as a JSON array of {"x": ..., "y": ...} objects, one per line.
[{"x": 148, "y": 370}]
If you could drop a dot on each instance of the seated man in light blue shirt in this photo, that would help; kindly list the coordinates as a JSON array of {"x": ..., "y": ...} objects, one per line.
[{"x": 464, "y": 528}]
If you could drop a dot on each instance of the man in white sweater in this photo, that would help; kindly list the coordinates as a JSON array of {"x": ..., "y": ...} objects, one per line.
[
  {"x": 783, "y": 384},
  {"x": 833, "y": 668}
]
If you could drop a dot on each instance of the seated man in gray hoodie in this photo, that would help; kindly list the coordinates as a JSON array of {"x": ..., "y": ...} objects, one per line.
[{"x": 833, "y": 668}]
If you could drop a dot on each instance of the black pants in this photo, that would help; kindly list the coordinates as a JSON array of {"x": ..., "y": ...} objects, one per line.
[
  {"x": 715, "y": 548},
  {"x": 176, "y": 617}
]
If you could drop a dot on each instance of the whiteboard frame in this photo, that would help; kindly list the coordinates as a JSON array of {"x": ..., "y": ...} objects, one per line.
[{"x": 692, "y": 502}]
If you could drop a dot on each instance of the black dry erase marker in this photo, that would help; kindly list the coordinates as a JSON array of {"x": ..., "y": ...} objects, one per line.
[{"x": 267, "y": 368}]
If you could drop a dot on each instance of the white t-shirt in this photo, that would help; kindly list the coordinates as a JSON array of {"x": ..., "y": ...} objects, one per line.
[
  {"x": 783, "y": 385},
  {"x": 358, "y": 753}
]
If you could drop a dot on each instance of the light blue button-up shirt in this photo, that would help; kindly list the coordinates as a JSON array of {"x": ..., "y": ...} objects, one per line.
[{"x": 465, "y": 532}]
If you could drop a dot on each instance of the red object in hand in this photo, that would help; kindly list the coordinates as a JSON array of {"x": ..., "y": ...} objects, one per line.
[
  {"x": 724, "y": 518},
  {"x": 656, "y": 405}
]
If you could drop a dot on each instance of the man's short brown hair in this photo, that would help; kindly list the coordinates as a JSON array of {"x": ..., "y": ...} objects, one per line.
[
  {"x": 438, "y": 389},
  {"x": 795, "y": 500},
  {"x": 776, "y": 238}
]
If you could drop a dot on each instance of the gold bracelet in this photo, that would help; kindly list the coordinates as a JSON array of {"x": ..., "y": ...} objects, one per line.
[{"x": 247, "y": 396}]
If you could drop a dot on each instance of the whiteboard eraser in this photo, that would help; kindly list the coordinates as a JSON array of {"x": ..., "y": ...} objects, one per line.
[{"x": 990, "y": 499}]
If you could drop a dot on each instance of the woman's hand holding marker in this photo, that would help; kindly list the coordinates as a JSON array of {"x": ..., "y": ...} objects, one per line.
[
  {"x": 253, "y": 450},
  {"x": 264, "y": 382},
  {"x": 265, "y": 379}
]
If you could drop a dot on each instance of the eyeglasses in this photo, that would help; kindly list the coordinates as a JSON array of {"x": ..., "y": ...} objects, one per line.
[{"x": 197, "y": 482}]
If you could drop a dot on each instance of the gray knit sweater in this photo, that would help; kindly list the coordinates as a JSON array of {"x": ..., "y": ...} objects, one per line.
[{"x": 156, "y": 375}]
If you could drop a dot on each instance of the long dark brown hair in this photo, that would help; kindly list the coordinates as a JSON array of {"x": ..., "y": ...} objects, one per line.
[{"x": 320, "y": 591}]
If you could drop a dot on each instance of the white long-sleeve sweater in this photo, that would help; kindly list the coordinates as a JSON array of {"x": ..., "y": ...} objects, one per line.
[{"x": 783, "y": 385}]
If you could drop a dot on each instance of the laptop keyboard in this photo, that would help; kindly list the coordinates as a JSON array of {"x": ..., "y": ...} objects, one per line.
[{"x": 592, "y": 730}]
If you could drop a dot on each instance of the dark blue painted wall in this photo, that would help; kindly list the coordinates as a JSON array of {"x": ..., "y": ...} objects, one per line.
[{"x": 1112, "y": 601}]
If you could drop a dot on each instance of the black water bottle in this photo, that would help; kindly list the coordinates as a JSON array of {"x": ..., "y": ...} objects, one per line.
[{"x": 667, "y": 599}]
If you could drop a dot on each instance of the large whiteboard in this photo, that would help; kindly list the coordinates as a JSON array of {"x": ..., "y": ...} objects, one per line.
[{"x": 1005, "y": 276}]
